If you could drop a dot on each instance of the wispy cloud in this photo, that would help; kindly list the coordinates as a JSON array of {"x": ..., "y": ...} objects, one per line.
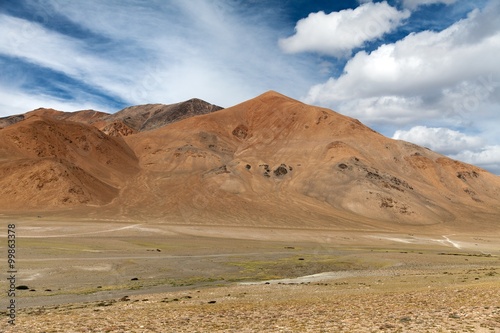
[
  {"x": 158, "y": 51},
  {"x": 60, "y": 54},
  {"x": 413, "y": 4},
  {"x": 16, "y": 102}
]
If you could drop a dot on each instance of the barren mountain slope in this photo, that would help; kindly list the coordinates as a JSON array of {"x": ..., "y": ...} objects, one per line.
[
  {"x": 47, "y": 183},
  {"x": 83, "y": 116},
  {"x": 10, "y": 120},
  {"x": 127, "y": 121},
  {"x": 268, "y": 161},
  {"x": 48, "y": 163},
  {"x": 150, "y": 116},
  {"x": 274, "y": 160}
]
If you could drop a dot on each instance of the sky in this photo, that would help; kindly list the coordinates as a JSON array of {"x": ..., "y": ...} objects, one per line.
[{"x": 424, "y": 71}]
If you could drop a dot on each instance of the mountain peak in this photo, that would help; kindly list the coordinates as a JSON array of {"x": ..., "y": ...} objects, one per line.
[
  {"x": 271, "y": 94},
  {"x": 151, "y": 116},
  {"x": 269, "y": 160}
]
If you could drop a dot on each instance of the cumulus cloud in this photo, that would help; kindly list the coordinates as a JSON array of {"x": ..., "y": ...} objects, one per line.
[
  {"x": 487, "y": 157},
  {"x": 442, "y": 79},
  {"x": 457, "y": 145},
  {"x": 440, "y": 139},
  {"x": 338, "y": 33},
  {"x": 426, "y": 75},
  {"x": 413, "y": 4}
]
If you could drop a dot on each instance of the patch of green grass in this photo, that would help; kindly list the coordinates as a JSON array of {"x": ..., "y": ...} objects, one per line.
[
  {"x": 194, "y": 280},
  {"x": 52, "y": 247},
  {"x": 297, "y": 265}
]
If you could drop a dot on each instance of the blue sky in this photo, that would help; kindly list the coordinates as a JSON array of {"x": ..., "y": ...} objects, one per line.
[{"x": 423, "y": 71}]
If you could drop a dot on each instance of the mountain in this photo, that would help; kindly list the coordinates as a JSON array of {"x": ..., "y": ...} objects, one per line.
[
  {"x": 141, "y": 118},
  {"x": 150, "y": 116},
  {"x": 83, "y": 116},
  {"x": 269, "y": 161},
  {"x": 49, "y": 163},
  {"x": 128, "y": 121}
]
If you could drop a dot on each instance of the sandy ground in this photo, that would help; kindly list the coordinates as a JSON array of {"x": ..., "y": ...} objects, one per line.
[{"x": 127, "y": 276}]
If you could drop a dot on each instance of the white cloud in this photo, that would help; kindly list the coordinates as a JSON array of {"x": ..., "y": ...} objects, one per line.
[
  {"x": 443, "y": 140},
  {"x": 446, "y": 79},
  {"x": 37, "y": 45},
  {"x": 457, "y": 145},
  {"x": 164, "y": 52},
  {"x": 20, "y": 38},
  {"x": 338, "y": 33},
  {"x": 426, "y": 75},
  {"x": 488, "y": 157},
  {"x": 413, "y": 4},
  {"x": 15, "y": 101},
  {"x": 201, "y": 49}
]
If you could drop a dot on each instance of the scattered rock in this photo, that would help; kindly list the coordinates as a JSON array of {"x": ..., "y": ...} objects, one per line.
[
  {"x": 266, "y": 170},
  {"x": 387, "y": 326},
  {"x": 241, "y": 132},
  {"x": 220, "y": 170},
  {"x": 373, "y": 175},
  {"x": 124, "y": 299},
  {"x": 466, "y": 174},
  {"x": 106, "y": 303},
  {"x": 281, "y": 170}
]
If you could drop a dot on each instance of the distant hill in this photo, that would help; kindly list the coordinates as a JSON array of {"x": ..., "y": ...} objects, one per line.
[
  {"x": 128, "y": 121},
  {"x": 151, "y": 116}
]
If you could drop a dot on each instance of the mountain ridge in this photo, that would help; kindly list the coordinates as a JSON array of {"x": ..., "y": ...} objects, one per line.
[
  {"x": 273, "y": 160},
  {"x": 146, "y": 116}
]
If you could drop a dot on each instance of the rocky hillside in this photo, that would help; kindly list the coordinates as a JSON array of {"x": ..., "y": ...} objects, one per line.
[{"x": 271, "y": 160}]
